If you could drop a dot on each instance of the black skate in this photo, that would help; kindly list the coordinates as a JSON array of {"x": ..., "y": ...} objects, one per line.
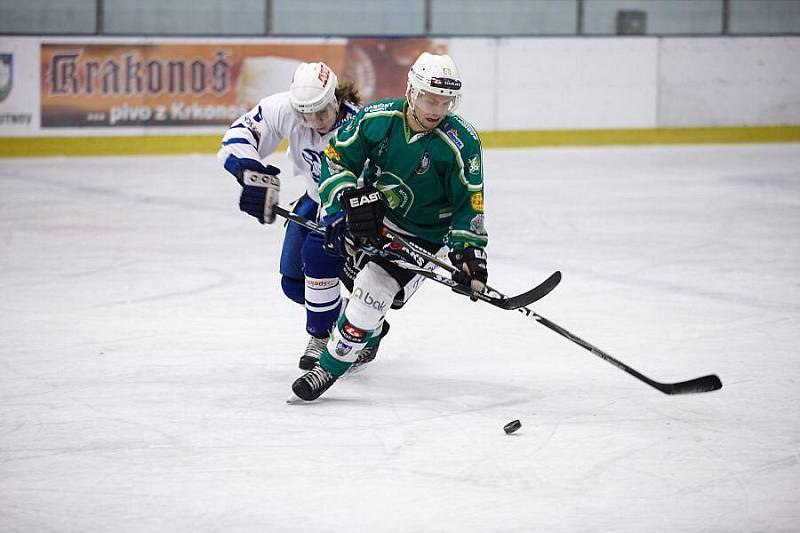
[
  {"x": 313, "y": 383},
  {"x": 314, "y": 349}
]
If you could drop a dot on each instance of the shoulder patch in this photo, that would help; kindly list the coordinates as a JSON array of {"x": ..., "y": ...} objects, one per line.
[
  {"x": 475, "y": 164},
  {"x": 476, "y": 200},
  {"x": 331, "y": 153},
  {"x": 452, "y": 134},
  {"x": 477, "y": 225}
]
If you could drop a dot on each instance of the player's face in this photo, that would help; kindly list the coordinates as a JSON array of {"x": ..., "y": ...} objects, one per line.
[
  {"x": 432, "y": 108},
  {"x": 321, "y": 121}
]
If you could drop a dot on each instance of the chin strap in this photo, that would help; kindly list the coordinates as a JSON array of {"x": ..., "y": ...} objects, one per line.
[{"x": 416, "y": 118}]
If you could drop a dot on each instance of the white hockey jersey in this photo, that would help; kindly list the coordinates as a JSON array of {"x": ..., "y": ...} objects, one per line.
[{"x": 257, "y": 134}]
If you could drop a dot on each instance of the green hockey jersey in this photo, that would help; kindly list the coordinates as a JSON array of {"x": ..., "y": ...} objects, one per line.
[{"x": 432, "y": 182}]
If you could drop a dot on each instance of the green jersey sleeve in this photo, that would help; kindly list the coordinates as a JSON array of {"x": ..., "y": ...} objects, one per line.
[
  {"x": 465, "y": 185},
  {"x": 340, "y": 170}
]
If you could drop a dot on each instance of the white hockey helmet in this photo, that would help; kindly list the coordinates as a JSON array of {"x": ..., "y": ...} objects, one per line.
[
  {"x": 435, "y": 74},
  {"x": 313, "y": 87}
]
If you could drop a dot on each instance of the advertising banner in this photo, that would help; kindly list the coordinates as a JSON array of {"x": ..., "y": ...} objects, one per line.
[
  {"x": 19, "y": 111},
  {"x": 178, "y": 84}
]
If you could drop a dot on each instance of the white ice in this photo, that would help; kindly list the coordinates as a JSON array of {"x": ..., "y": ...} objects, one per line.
[{"x": 147, "y": 352}]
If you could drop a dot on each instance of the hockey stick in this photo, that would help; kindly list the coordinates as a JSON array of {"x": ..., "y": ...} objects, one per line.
[
  {"x": 701, "y": 384},
  {"x": 707, "y": 383},
  {"x": 512, "y": 302},
  {"x": 410, "y": 256}
]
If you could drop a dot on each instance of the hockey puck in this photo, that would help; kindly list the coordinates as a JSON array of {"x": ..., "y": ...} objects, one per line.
[{"x": 512, "y": 426}]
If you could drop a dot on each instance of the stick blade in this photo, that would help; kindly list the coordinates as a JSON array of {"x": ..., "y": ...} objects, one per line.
[
  {"x": 702, "y": 384},
  {"x": 536, "y": 293}
]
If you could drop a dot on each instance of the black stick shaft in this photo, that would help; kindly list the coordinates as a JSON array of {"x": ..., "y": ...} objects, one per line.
[{"x": 701, "y": 384}]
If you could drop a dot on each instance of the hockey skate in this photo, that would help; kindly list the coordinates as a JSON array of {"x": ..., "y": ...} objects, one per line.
[
  {"x": 369, "y": 353},
  {"x": 314, "y": 349},
  {"x": 313, "y": 383}
]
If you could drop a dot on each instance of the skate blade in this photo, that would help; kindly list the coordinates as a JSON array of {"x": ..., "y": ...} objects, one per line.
[
  {"x": 294, "y": 398},
  {"x": 353, "y": 370}
]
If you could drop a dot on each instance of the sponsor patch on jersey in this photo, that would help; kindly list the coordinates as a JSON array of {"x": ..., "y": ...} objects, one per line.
[
  {"x": 475, "y": 164},
  {"x": 476, "y": 200},
  {"x": 331, "y": 153},
  {"x": 377, "y": 106},
  {"x": 424, "y": 164},
  {"x": 467, "y": 126},
  {"x": 453, "y": 135},
  {"x": 477, "y": 226}
]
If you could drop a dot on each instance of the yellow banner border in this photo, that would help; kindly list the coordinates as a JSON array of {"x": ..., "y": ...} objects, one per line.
[{"x": 184, "y": 144}]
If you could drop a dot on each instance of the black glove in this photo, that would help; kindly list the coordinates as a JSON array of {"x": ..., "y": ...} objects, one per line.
[
  {"x": 471, "y": 265},
  {"x": 335, "y": 234},
  {"x": 260, "y": 193},
  {"x": 364, "y": 210}
]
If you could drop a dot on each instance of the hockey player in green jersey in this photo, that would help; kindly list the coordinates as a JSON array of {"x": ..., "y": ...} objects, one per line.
[{"x": 422, "y": 178}]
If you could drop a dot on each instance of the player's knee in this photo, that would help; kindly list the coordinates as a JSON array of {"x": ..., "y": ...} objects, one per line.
[
  {"x": 294, "y": 289},
  {"x": 316, "y": 263},
  {"x": 373, "y": 292}
]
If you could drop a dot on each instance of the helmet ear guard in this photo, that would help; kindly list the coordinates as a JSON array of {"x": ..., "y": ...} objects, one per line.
[{"x": 313, "y": 87}]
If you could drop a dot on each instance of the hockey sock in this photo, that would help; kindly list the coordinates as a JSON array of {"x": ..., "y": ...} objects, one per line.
[
  {"x": 376, "y": 336},
  {"x": 293, "y": 288},
  {"x": 343, "y": 347},
  {"x": 322, "y": 289}
]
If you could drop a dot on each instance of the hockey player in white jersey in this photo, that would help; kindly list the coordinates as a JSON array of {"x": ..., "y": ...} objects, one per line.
[{"x": 307, "y": 115}]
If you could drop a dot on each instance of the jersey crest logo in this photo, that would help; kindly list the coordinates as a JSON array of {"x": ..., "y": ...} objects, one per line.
[
  {"x": 475, "y": 164},
  {"x": 476, "y": 200},
  {"x": 331, "y": 153},
  {"x": 314, "y": 161},
  {"x": 424, "y": 164},
  {"x": 383, "y": 146},
  {"x": 399, "y": 196}
]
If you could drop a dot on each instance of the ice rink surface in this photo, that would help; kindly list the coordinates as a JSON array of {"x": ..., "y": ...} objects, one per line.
[{"x": 147, "y": 352}]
